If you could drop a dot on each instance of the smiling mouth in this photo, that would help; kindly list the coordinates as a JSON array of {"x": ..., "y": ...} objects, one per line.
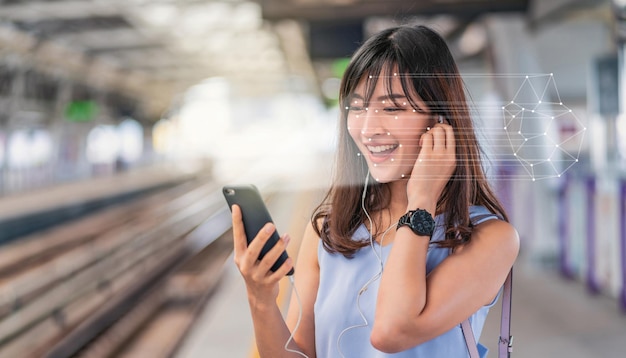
[{"x": 382, "y": 149}]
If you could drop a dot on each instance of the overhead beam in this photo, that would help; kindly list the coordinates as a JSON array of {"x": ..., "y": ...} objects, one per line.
[
  {"x": 54, "y": 27},
  {"x": 56, "y": 59},
  {"x": 95, "y": 39},
  {"x": 547, "y": 12},
  {"x": 68, "y": 9},
  {"x": 339, "y": 11},
  {"x": 115, "y": 49}
]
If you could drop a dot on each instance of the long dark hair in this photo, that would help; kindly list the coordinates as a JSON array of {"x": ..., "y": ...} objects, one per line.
[{"x": 422, "y": 60}]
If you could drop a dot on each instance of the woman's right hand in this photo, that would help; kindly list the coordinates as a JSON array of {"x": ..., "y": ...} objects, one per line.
[{"x": 261, "y": 282}]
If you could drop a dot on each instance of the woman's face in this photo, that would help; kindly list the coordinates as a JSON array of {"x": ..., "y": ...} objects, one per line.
[{"x": 387, "y": 130}]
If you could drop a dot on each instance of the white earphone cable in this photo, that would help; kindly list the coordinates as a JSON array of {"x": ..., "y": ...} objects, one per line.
[
  {"x": 295, "y": 291},
  {"x": 373, "y": 278}
]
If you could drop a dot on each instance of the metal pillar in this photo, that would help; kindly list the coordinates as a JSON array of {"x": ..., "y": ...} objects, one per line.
[
  {"x": 564, "y": 228},
  {"x": 620, "y": 17},
  {"x": 622, "y": 216},
  {"x": 592, "y": 282}
]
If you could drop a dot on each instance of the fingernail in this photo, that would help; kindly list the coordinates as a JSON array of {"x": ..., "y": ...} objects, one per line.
[
  {"x": 269, "y": 228},
  {"x": 286, "y": 239}
]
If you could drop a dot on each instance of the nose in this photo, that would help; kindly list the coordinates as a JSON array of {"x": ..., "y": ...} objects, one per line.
[{"x": 372, "y": 124}]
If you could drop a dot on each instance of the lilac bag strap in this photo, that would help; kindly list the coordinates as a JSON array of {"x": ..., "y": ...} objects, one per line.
[
  {"x": 505, "y": 342},
  {"x": 470, "y": 340}
]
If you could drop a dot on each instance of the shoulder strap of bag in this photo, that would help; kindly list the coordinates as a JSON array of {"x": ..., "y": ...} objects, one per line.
[
  {"x": 470, "y": 341},
  {"x": 505, "y": 342}
]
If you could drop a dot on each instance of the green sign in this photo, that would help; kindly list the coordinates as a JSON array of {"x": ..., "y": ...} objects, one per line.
[{"x": 81, "y": 111}]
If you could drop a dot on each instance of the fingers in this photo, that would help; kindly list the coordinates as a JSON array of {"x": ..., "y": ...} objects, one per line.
[
  {"x": 273, "y": 254},
  {"x": 426, "y": 141},
  {"x": 252, "y": 252},
  {"x": 442, "y": 133},
  {"x": 437, "y": 154},
  {"x": 439, "y": 137},
  {"x": 282, "y": 271},
  {"x": 247, "y": 256},
  {"x": 450, "y": 141},
  {"x": 239, "y": 234},
  {"x": 261, "y": 238}
]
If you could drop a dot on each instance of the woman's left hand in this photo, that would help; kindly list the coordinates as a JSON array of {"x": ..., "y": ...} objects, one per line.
[{"x": 434, "y": 165}]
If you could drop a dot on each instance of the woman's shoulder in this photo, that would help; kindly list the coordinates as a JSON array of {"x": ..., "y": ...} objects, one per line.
[
  {"x": 309, "y": 245},
  {"x": 492, "y": 231},
  {"x": 480, "y": 213}
]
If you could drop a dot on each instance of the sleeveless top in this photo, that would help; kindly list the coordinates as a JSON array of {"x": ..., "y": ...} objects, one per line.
[{"x": 343, "y": 326}]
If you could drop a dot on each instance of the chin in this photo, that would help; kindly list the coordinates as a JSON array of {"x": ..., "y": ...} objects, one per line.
[{"x": 384, "y": 178}]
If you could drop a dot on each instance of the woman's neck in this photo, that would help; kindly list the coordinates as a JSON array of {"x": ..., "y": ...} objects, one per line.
[{"x": 398, "y": 201}]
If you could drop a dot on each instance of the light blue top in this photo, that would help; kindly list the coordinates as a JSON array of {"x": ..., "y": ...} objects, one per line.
[{"x": 336, "y": 308}]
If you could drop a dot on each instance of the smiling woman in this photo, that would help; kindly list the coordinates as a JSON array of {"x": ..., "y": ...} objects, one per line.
[
  {"x": 387, "y": 130},
  {"x": 409, "y": 195}
]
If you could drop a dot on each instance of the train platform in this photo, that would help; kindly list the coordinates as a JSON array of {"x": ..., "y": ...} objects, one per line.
[{"x": 552, "y": 316}]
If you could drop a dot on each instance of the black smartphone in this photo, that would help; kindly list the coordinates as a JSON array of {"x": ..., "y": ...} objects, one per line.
[{"x": 255, "y": 216}]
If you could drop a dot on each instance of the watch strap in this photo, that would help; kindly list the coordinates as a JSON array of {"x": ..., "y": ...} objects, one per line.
[
  {"x": 405, "y": 220},
  {"x": 424, "y": 227}
]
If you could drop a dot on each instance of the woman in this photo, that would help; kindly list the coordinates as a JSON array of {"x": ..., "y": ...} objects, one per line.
[{"x": 407, "y": 153}]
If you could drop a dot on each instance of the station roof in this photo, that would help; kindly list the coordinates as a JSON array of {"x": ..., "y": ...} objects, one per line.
[{"x": 154, "y": 49}]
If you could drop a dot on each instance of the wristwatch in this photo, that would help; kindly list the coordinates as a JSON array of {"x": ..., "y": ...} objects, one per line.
[{"x": 420, "y": 221}]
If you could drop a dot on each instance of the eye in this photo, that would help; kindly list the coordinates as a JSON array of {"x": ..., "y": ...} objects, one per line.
[
  {"x": 356, "y": 106},
  {"x": 356, "y": 109},
  {"x": 392, "y": 109}
]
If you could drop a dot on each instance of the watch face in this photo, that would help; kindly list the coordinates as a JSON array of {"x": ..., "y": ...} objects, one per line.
[{"x": 422, "y": 222}]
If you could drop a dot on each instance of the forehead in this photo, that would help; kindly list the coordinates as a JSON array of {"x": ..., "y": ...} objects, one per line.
[
  {"x": 391, "y": 87},
  {"x": 371, "y": 87},
  {"x": 388, "y": 86}
]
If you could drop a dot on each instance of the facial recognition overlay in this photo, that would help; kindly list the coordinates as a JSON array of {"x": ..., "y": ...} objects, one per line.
[
  {"x": 528, "y": 130},
  {"x": 532, "y": 119}
]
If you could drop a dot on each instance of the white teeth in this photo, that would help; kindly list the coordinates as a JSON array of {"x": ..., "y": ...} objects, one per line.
[{"x": 380, "y": 148}]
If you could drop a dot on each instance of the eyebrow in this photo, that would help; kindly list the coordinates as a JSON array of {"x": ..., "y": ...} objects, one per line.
[{"x": 391, "y": 96}]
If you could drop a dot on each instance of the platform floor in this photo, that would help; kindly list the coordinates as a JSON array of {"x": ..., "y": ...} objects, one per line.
[{"x": 552, "y": 317}]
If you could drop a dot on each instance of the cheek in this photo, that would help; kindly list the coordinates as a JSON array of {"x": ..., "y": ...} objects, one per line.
[
  {"x": 411, "y": 144},
  {"x": 411, "y": 133},
  {"x": 354, "y": 130}
]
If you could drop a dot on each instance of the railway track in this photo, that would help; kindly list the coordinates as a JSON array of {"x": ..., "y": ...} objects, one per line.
[{"x": 126, "y": 281}]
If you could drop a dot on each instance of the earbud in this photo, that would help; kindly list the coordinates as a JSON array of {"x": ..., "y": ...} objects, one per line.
[{"x": 440, "y": 119}]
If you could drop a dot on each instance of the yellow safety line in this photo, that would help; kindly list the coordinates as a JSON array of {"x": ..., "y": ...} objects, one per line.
[{"x": 302, "y": 205}]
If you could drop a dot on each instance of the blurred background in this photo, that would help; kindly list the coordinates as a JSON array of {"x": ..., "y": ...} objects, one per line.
[{"x": 120, "y": 121}]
